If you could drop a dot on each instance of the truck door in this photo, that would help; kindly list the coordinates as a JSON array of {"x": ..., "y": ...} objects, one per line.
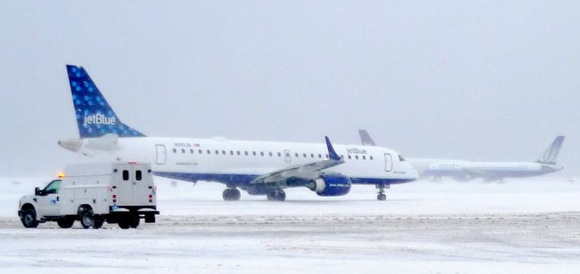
[
  {"x": 48, "y": 201},
  {"x": 134, "y": 185},
  {"x": 142, "y": 184}
]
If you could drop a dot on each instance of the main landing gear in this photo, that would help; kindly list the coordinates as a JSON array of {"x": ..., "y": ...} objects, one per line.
[
  {"x": 381, "y": 187},
  {"x": 277, "y": 195},
  {"x": 231, "y": 194}
]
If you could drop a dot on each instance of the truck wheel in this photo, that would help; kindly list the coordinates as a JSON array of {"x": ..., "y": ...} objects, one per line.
[
  {"x": 29, "y": 218},
  {"x": 134, "y": 221},
  {"x": 66, "y": 222},
  {"x": 99, "y": 221},
  {"x": 124, "y": 223},
  {"x": 87, "y": 218}
]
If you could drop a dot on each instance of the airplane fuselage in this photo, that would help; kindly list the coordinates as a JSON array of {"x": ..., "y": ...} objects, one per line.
[{"x": 237, "y": 163}]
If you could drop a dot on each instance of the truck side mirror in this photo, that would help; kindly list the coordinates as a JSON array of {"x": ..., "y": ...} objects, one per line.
[{"x": 37, "y": 191}]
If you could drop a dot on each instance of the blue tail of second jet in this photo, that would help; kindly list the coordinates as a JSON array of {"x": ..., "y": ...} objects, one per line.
[{"x": 95, "y": 117}]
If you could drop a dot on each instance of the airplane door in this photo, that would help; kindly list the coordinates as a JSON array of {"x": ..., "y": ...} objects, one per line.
[
  {"x": 287, "y": 156},
  {"x": 388, "y": 162},
  {"x": 161, "y": 154}
]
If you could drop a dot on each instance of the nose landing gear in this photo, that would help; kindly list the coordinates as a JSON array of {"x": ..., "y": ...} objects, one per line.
[{"x": 381, "y": 194}]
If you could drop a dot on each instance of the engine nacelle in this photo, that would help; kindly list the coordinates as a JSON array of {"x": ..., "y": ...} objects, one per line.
[{"x": 331, "y": 185}]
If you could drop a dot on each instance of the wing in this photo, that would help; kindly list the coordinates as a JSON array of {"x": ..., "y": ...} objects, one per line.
[{"x": 306, "y": 171}]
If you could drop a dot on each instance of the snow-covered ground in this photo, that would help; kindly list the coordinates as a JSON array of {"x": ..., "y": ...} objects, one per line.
[{"x": 522, "y": 226}]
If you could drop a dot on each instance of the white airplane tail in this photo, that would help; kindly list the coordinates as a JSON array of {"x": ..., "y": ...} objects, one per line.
[{"x": 551, "y": 154}]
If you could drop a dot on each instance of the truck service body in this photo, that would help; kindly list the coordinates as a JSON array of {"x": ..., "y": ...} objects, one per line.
[{"x": 120, "y": 193}]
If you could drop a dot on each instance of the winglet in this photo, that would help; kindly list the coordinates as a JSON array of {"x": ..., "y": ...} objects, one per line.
[{"x": 331, "y": 153}]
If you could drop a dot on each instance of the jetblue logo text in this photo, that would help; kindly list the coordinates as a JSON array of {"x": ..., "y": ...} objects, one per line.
[{"x": 99, "y": 119}]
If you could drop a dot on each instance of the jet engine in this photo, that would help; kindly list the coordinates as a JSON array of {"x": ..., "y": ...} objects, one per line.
[{"x": 330, "y": 185}]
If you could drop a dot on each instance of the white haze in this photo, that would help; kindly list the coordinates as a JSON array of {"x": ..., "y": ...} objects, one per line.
[{"x": 478, "y": 80}]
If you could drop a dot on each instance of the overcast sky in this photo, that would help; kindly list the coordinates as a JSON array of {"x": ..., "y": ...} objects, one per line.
[{"x": 476, "y": 80}]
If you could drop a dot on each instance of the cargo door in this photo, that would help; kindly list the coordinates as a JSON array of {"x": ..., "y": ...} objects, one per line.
[
  {"x": 142, "y": 185},
  {"x": 124, "y": 187}
]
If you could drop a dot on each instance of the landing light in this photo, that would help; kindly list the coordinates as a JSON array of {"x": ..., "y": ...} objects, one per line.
[{"x": 60, "y": 175}]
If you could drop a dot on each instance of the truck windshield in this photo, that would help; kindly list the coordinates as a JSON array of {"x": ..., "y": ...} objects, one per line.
[{"x": 53, "y": 187}]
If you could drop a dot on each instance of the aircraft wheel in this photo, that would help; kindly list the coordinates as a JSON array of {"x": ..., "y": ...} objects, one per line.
[
  {"x": 381, "y": 197},
  {"x": 277, "y": 195},
  {"x": 231, "y": 194}
]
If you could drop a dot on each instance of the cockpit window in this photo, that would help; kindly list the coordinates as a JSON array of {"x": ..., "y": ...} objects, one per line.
[
  {"x": 401, "y": 158},
  {"x": 53, "y": 187}
]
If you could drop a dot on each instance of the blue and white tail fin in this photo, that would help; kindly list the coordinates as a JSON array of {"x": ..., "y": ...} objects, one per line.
[
  {"x": 551, "y": 154},
  {"x": 95, "y": 117}
]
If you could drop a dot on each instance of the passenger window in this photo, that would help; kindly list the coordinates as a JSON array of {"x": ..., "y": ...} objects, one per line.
[
  {"x": 319, "y": 155},
  {"x": 261, "y": 153},
  {"x": 279, "y": 154},
  {"x": 208, "y": 151},
  {"x": 183, "y": 150},
  {"x": 270, "y": 154},
  {"x": 356, "y": 157},
  {"x": 245, "y": 152},
  {"x": 231, "y": 152},
  {"x": 349, "y": 157},
  {"x": 401, "y": 158},
  {"x": 371, "y": 157},
  {"x": 254, "y": 153},
  {"x": 191, "y": 151},
  {"x": 223, "y": 152},
  {"x": 138, "y": 175},
  {"x": 174, "y": 150},
  {"x": 238, "y": 152},
  {"x": 125, "y": 175},
  {"x": 304, "y": 155},
  {"x": 311, "y": 155},
  {"x": 217, "y": 152},
  {"x": 364, "y": 157},
  {"x": 200, "y": 151},
  {"x": 296, "y": 155}
]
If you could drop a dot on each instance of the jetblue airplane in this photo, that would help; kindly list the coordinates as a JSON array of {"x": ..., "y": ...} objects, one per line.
[
  {"x": 462, "y": 170},
  {"x": 257, "y": 167}
]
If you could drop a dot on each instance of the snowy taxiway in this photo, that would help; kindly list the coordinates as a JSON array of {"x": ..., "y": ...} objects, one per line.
[{"x": 530, "y": 226}]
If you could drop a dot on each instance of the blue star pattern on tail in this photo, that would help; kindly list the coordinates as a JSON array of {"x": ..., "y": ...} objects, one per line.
[{"x": 94, "y": 115}]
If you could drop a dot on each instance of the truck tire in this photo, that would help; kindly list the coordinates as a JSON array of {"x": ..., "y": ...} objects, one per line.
[
  {"x": 87, "y": 218},
  {"x": 134, "y": 221},
  {"x": 29, "y": 218},
  {"x": 99, "y": 221},
  {"x": 65, "y": 222},
  {"x": 125, "y": 223}
]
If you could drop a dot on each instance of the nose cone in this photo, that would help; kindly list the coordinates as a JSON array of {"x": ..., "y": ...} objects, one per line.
[{"x": 73, "y": 145}]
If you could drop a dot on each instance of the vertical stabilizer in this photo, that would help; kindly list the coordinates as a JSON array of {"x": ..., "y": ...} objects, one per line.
[
  {"x": 365, "y": 138},
  {"x": 551, "y": 154},
  {"x": 95, "y": 117}
]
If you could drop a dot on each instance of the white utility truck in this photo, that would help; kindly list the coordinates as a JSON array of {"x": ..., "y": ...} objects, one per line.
[{"x": 121, "y": 193}]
